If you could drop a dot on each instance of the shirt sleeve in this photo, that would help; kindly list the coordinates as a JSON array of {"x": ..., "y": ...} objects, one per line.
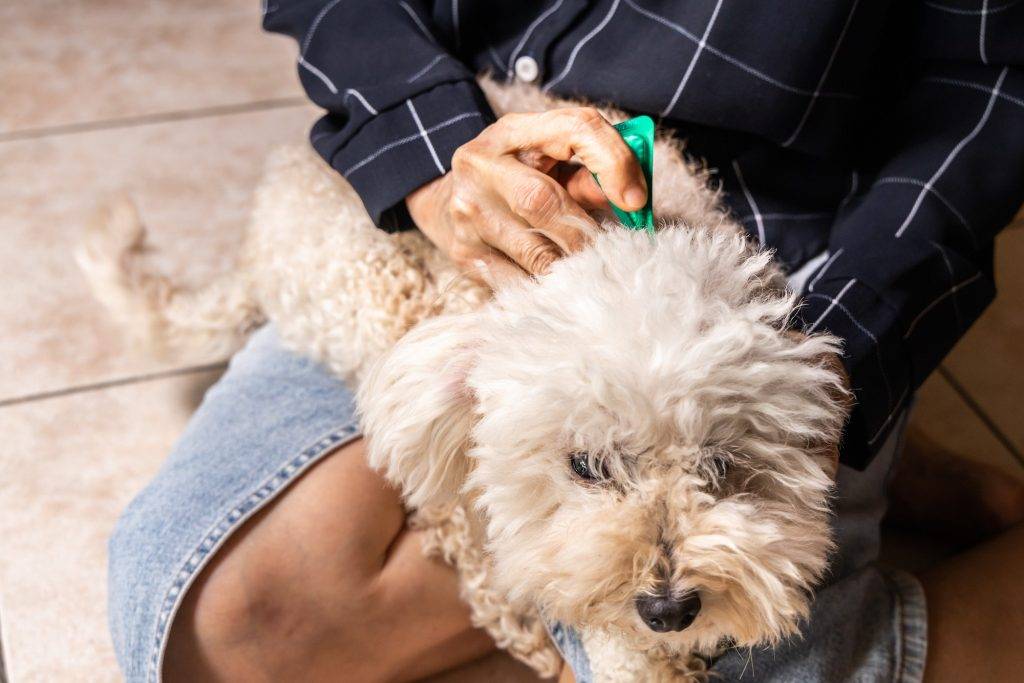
[
  {"x": 397, "y": 102},
  {"x": 910, "y": 265}
]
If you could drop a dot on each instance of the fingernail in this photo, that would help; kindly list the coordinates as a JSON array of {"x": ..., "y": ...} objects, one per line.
[{"x": 636, "y": 197}]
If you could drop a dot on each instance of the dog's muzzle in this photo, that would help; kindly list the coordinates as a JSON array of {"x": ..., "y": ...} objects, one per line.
[{"x": 663, "y": 614}]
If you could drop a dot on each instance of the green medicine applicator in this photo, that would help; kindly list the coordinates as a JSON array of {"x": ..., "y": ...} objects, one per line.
[{"x": 638, "y": 134}]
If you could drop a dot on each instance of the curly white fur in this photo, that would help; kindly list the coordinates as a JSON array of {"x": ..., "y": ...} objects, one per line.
[{"x": 662, "y": 358}]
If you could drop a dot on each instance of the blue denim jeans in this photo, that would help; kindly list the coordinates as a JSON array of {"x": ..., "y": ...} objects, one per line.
[{"x": 274, "y": 414}]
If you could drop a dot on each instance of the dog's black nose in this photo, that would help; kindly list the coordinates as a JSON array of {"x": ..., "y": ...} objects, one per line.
[{"x": 664, "y": 614}]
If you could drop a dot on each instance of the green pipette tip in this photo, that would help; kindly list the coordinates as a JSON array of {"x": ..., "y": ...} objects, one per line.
[{"x": 638, "y": 134}]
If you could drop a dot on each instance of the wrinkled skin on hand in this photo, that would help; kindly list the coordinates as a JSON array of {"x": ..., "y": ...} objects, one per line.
[{"x": 516, "y": 200}]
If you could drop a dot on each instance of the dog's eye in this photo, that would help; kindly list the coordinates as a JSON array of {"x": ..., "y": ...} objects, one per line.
[
  {"x": 720, "y": 466},
  {"x": 581, "y": 465}
]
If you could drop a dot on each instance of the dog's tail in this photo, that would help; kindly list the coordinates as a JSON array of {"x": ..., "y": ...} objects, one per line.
[{"x": 170, "y": 321}]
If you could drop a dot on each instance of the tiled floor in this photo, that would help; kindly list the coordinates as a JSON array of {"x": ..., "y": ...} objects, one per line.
[{"x": 177, "y": 104}]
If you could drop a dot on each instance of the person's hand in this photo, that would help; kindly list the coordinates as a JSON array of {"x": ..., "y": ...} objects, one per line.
[{"x": 512, "y": 204}]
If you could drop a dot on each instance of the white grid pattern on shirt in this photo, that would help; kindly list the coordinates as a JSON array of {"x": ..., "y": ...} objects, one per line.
[
  {"x": 529, "y": 32},
  {"x": 854, "y": 183},
  {"x": 950, "y": 292},
  {"x": 824, "y": 75},
  {"x": 903, "y": 180},
  {"x": 870, "y": 335},
  {"x": 305, "y": 48},
  {"x": 419, "y": 22},
  {"x": 319, "y": 74},
  {"x": 455, "y": 23},
  {"x": 733, "y": 60},
  {"x": 751, "y": 202},
  {"x": 315, "y": 25},
  {"x": 954, "y": 152},
  {"x": 828, "y": 264},
  {"x": 973, "y": 12},
  {"x": 832, "y": 305},
  {"x": 407, "y": 139},
  {"x": 981, "y": 32},
  {"x": 579, "y": 46},
  {"x": 359, "y": 96},
  {"x": 981, "y": 87},
  {"x": 425, "y": 136},
  {"x": 430, "y": 65},
  {"x": 952, "y": 283},
  {"x": 788, "y": 216},
  {"x": 693, "y": 61}
]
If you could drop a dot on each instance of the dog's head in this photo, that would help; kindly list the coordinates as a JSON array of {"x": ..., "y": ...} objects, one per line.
[{"x": 639, "y": 433}]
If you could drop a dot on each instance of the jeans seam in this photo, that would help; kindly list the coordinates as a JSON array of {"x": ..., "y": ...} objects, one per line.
[
  {"x": 223, "y": 528},
  {"x": 898, "y": 628},
  {"x": 581, "y": 655},
  {"x": 909, "y": 620}
]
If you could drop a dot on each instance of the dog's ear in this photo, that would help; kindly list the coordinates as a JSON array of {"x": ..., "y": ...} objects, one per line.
[{"x": 417, "y": 411}]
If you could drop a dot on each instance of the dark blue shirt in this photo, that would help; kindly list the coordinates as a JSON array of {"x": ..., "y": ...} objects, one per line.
[{"x": 884, "y": 136}]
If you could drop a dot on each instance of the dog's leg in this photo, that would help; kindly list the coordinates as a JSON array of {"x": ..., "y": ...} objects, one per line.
[{"x": 450, "y": 536}]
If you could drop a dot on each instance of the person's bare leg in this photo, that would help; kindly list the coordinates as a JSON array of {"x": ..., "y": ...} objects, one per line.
[
  {"x": 944, "y": 494},
  {"x": 324, "y": 583},
  {"x": 976, "y": 613}
]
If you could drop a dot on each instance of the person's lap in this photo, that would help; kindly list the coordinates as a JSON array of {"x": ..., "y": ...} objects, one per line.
[
  {"x": 265, "y": 533},
  {"x": 207, "y": 520},
  {"x": 329, "y": 562}
]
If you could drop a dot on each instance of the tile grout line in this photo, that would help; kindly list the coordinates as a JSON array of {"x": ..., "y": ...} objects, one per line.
[
  {"x": 977, "y": 410},
  {"x": 151, "y": 119},
  {"x": 107, "y": 384}
]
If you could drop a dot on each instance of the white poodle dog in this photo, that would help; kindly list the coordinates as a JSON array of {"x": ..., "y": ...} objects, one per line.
[{"x": 631, "y": 445}]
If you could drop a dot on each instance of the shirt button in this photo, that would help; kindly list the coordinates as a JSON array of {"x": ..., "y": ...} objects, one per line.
[{"x": 527, "y": 69}]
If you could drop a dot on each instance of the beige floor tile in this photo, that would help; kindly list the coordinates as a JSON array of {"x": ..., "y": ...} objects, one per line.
[
  {"x": 944, "y": 417},
  {"x": 193, "y": 181},
  {"x": 77, "y": 61},
  {"x": 67, "y": 467},
  {"x": 989, "y": 361}
]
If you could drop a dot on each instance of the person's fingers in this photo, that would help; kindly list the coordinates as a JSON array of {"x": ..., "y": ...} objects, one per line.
[
  {"x": 513, "y": 237},
  {"x": 583, "y": 133},
  {"x": 577, "y": 180},
  {"x": 581, "y": 186},
  {"x": 543, "y": 204},
  {"x": 495, "y": 270},
  {"x": 470, "y": 252}
]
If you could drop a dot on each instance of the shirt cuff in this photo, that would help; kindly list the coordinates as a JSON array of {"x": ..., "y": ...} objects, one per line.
[
  {"x": 876, "y": 358},
  {"x": 402, "y": 148}
]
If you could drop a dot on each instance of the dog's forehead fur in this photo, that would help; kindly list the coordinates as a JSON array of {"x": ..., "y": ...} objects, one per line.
[{"x": 658, "y": 349}]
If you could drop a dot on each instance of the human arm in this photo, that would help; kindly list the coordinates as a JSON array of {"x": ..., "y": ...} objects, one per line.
[
  {"x": 397, "y": 102},
  {"x": 910, "y": 264},
  {"x": 510, "y": 203}
]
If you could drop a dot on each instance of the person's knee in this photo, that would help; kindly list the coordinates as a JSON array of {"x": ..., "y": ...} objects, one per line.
[
  {"x": 276, "y": 612},
  {"x": 1007, "y": 502}
]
